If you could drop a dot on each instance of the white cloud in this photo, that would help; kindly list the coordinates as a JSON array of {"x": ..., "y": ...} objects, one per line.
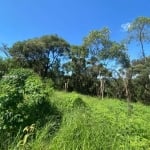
[{"x": 125, "y": 26}]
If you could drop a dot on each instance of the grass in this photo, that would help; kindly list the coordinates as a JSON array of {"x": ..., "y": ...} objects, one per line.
[{"x": 89, "y": 123}]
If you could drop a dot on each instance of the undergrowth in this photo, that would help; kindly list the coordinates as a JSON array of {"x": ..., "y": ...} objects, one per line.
[{"x": 92, "y": 124}]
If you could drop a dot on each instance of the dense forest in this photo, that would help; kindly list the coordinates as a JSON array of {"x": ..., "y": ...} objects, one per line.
[{"x": 34, "y": 68}]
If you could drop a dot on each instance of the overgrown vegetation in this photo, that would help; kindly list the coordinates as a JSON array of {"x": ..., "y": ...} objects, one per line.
[
  {"x": 95, "y": 125},
  {"x": 24, "y": 100},
  {"x": 98, "y": 67},
  {"x": 34, "y": 115}
]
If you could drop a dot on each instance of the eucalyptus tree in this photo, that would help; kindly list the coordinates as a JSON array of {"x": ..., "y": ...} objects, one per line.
[
  {"x": 101, "y": 50},
  {"x": 139, "y": 30},
  {"x": 95, "y": 42},
  {"x": 121, "y": 72}
]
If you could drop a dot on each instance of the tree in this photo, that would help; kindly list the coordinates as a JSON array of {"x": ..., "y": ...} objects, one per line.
[
  {"x": 139, "y": 31},
  {"x": 101, "y": 50},
  {"x": 141, "y": 80},
  {"x": 76, "y": 66},
  {"x": 96, "y": 41},
  {"x": 55, "y": 48},
  {"x": 41, "y": 54}
]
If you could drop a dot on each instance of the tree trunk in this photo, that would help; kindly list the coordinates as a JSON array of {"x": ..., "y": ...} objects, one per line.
[{"x": 101, "y": 88}]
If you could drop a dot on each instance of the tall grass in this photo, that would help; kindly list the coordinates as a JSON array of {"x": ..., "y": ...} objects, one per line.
[{"x": 92, "y": 124}]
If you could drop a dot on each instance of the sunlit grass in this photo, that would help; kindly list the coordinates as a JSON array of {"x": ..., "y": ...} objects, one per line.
[{"x": 89, "y": 123}]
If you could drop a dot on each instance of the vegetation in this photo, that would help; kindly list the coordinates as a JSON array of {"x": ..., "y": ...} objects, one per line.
[
  {"x": 96, "y": 67},
  {"x": 24, "y": 100},
  {"x": 91, "y": 124},
  {"x": 34, "y": 114}
]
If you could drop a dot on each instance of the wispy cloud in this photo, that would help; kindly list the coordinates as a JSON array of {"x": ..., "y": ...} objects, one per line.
[{"x": 125, "y": 26}]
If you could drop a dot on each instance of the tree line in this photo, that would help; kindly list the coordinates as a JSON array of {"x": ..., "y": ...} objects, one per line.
[{"x": 99, "y": 66}]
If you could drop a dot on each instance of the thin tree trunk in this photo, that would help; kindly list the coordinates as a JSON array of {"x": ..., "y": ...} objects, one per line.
[
  {"x": 128, "y": 95},
  {"x": 66, "y": 85},
  {"x": 101, "y": 88},
  {"x": 142, "y": 47}
]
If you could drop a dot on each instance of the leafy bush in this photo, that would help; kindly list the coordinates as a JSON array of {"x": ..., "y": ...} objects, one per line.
[{"x": 23, "y": 101}]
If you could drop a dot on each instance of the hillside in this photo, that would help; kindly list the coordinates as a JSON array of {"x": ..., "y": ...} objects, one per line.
[
  {"x": 88, "y": 123},
  {"x": 75, "y": 78}
]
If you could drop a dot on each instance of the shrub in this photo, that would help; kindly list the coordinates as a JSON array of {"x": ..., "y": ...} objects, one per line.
[{"x": 23, "y": 101}]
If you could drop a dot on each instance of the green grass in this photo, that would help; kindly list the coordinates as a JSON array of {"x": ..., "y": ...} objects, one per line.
[{"x": 89, "y": 123}]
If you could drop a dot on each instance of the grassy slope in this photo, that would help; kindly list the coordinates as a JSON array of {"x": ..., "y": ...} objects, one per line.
[{"x": 92, "y": 124}]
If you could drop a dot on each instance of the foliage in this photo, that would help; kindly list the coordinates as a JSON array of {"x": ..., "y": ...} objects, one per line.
[
  {"x": 139, "y": 31},
  {"x": 41, "y": 54},
  {"x": 3, "y": 67},
  {"x": 97, "y": 40},
  {"x": 97, "y": 67},
  {"x": 141, "y": 72},
  {"x": 23, "y": 101}
]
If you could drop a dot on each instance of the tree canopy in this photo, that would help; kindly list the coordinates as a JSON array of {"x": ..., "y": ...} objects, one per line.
[{"x": 99, "y": 66}]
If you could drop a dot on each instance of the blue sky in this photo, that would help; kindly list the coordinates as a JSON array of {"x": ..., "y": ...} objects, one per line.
[{"x": 70, "y": 19}]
